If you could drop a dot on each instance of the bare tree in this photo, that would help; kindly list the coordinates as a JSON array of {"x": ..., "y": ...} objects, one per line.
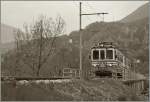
[{"x": 36, "y": 43}]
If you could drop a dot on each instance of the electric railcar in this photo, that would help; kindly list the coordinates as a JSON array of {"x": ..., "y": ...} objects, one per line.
[{"x": 108, "y": 61}]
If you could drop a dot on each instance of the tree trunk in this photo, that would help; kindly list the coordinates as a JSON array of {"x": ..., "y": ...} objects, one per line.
[{"x": 40, "y": 49}]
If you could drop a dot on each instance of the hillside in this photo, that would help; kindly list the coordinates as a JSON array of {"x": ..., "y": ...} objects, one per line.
[
  {"x": 5, "y": 47},
  {"x": 7, "y": 33},
  {"x": 140, "y": 13},
  {"x": 7, "y": 38},
  {"x": 132, "y": 37}
]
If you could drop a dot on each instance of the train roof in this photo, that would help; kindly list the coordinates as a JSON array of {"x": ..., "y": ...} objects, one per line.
[
  {"x": 110, "y": 45},
  {"x": 104, "y": 45}
]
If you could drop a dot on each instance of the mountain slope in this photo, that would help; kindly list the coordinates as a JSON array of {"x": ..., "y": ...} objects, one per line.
[
  {"x": 7, "y": 33},
  {"x": 5, "y": 47},
  {"x": 140, "y": 13},
  {"x": 132, "y": 37},
  {"x": 7, "y": 38}
]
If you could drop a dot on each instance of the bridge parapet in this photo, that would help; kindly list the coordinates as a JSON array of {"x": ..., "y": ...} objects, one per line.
[
  {"x": 138, "y": 85},
  {"x": 136, "y": 76}
]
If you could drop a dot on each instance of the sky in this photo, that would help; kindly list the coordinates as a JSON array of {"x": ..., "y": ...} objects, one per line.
[{"x": 16, "y": 13}]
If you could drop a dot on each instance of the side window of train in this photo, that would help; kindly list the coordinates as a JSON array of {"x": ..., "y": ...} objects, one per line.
[
  {"x": 116, "y": 55},
  {"x": 95, "y": 54},
  {"x": 109, "y": 54},
  {"x": 102, "y": 52},
  {"x": 120, "y": 58}
]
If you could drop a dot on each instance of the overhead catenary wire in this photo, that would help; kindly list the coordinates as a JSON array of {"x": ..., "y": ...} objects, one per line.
[
  {"x": 84, "y": 10},
  {"x": 88, "y": 8},
  {"x": 91, "y": 7}
]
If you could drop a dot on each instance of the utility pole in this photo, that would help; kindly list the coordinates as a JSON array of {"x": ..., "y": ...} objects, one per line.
[
  {"x": 103, "y": 15},
  {"x": 80, "y": 29}
]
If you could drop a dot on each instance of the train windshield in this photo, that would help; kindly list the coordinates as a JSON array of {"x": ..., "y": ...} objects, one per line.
[
  {"x": 102, "y": 54},
  {"x": 96, "y": 54},
  {"x": 109, "y": 54}
]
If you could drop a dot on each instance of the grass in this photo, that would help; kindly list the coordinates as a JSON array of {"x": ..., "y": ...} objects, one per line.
[{"x": 76, "y": 90}]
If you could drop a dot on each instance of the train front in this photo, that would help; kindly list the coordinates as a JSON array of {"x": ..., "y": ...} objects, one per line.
[{"x": 103, "y": 60}]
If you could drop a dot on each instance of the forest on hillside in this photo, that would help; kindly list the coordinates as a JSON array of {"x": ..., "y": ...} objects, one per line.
[{"x": 131, "y": 37}]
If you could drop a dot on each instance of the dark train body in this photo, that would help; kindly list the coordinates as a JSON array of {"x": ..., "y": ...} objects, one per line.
[{"x": 108, "y": 61}]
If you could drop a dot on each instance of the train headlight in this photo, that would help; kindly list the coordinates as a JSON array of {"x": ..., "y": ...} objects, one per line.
[
  {"x": 110, "y": 65},
  {"x": 94, "y": 65}
]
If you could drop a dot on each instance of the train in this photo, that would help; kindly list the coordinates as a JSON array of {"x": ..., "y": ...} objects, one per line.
[{"x": 107, "y": 60}]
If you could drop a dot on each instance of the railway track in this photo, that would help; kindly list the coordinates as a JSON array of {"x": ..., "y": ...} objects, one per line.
[{"x": 31, "y": 78}]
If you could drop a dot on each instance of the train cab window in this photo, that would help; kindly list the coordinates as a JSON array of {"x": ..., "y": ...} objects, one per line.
[
  {"x": 102, "y": 52},
  {"x": 96, "y": 54},
  {"x": 109, "y": 54}
]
